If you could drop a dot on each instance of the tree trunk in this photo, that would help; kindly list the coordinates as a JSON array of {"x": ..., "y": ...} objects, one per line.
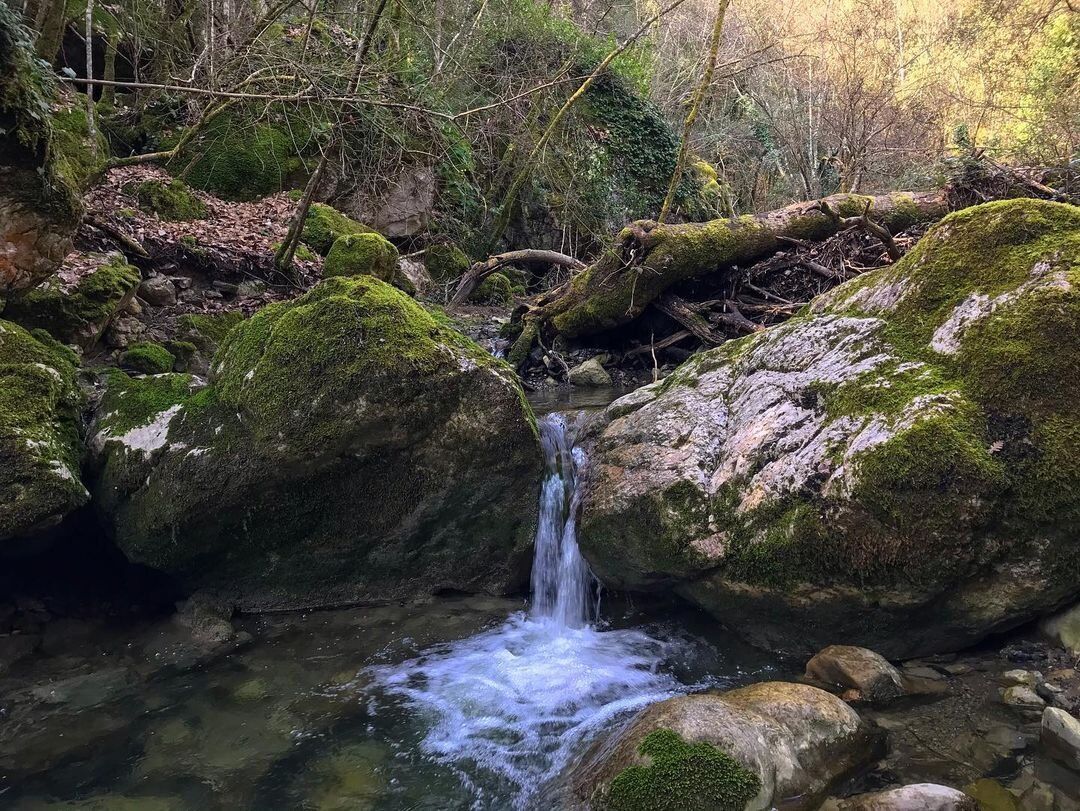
[
  {"x": 51, "y": 29},
  {"x": 108, "y": 91},
  {"x": 649, "y": 258},
  {"x": 91, "y": 125},
  {"x": 695, "y": 106}
]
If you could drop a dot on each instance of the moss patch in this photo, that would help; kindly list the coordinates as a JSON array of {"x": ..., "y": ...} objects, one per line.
[
  {"x": 134, "y": 402},
  {"x": 362, "y": 255},
  {"x": 39, "y": 437},
  {"x": 78, "y": 315},
  {"x": 240, "y": 161},
  {"x": 682, "y": 776},
  {"x": 172, "y": 201},
  {"x": 147, "y": 358},
  {"x": 324, "y": 224},
  {"x": 495, "y": 289},
  {"x": 445, "y": 262}
]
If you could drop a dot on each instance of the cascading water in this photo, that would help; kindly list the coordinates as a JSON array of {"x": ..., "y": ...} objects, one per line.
[{"x": 508, "y": 708}]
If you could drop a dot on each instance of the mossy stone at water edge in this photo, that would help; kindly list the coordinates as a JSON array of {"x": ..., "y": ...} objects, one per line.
[
  {"x": 362, "y": 254},
  {"x": 895, "y": 468},
  {"x": 39, "y": 437},
  {"x": 682, "y": 777},
  {"x": 348, "y": 448},
  {"x": 445, "y": 262}
]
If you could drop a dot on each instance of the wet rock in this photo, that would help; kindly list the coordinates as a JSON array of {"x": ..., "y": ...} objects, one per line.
[
  {"x": 590, "y": 374},
  {"x": 868, "y": 673},
  {"x": 1060, "y": 735},
  {"x": 1022, "y": 697},
  {"x": 83, "y": 691},
  {"x": 768, "y": 744},
  {"x": 1064, "y": 628},
  {"x": 158, "y": 291},
  {"x": 916, "y": 797},
  {"x": 348, "y": 413},
  {"x": 1027, "y": 678},
  {"x": 793, "y": 483},
  {"x": 992, "y": 796},
  {"x": 15, "y": 647}
]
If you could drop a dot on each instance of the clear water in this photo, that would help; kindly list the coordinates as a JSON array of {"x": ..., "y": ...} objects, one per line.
[
  {"x": 514, "y": 704},
  {"x": 460, "y": 703}
]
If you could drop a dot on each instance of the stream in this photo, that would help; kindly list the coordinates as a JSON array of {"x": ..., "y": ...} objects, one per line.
[{"x": 456, "y": 703}]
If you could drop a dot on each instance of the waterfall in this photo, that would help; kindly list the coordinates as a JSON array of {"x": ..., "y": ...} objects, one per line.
[
  {"x": 508, "y": 708},
  {"x": 562, "y": 584}
]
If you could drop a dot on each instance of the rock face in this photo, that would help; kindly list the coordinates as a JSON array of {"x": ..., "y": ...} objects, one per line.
[
  {"x": 760, "y": 746},
  {"x": 39, "y": 209},
  {"x": 895, "y": 468},
  {"x": 348, "y": 449},
  {"x": 859, "y": 669},
  {"x": 39, "y": 438},
  {"x": 1060, "y": 734}
]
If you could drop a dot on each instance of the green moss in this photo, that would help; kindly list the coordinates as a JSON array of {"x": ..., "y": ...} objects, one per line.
[
  {"x": 332, "y": 341},
  {"x": 495, "y": 289},
  {"x": 445, "y": 262},
  {"x": 324, "y": 224},
  {"x": 682, "y": 776},
  {"x": 147, "y": 358},
  {"x": 206, "y": 332},
  {"x": 39, "y": 437},
  {"x": 240, "y": 161},
  {"x": 78, "y": 315},
  {"x": 78, "y": 158},
  {"x": 134, "y": 402},
  {"x": 302, "y": 252},
  {"x": 362, "y": 254},
  {"x": 172, "y": 201}
]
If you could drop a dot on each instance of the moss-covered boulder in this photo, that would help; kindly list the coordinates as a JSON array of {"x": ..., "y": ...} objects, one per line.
[
  {"x": 198, "y": 336},
  {"x": 240, "y": 160},
  {"x": 894, "y": 469},
  {"x": 362, "y": 255},
  {"x": 39, "y": 204},
  {"x": 172, "y": 201},
  {"x": 768, "y": 745},
  {"x": 78, "y": 313},
  {"x": 445, "y": 262},
  {"x": 348, "y": 448},
  {"x": 496, "y": 289},
  {"x": 324, "y": 224},
  {"x": 39, "y": 438},
  {"x": 148, "y": 358}
]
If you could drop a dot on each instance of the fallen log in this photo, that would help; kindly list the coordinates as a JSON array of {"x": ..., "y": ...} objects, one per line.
[
  {"x": 481, "y": 270},
  {"x": 650, "y": 258}
]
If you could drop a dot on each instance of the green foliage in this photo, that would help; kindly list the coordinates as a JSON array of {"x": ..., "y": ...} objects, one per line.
[
  {"x": 362, "y": 254},
  {"x": 147, "y": 358},
  {"x": 682, "y": 776},
  {"x": 324, "y": 224},
  {"x": 171, "y": 202}
]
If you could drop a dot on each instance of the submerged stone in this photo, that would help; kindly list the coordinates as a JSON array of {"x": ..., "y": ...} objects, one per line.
[
  {"x": 349, "y": 448},
  {"x": 894, "y": 468}
]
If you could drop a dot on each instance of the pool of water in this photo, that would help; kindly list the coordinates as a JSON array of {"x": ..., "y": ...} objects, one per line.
[{"x": 460, "y": 703}]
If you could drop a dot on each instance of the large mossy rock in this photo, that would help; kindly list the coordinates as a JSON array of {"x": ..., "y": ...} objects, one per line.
[
  {"x": 767, "y": 745},
  {"x": 39, "y": 438},
  {"x": 39, "y": 204},
  {"x": 78, "y": 313},
  {"x": 349, "y": 448},
  {"x": 324, "y": 224},
  {"x": 362, "y": 255},
  {"x": 896, "y": 468}
]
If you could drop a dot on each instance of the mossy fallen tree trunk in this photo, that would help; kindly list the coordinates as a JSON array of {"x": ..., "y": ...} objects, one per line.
[{"x": 649, "y": 258}]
